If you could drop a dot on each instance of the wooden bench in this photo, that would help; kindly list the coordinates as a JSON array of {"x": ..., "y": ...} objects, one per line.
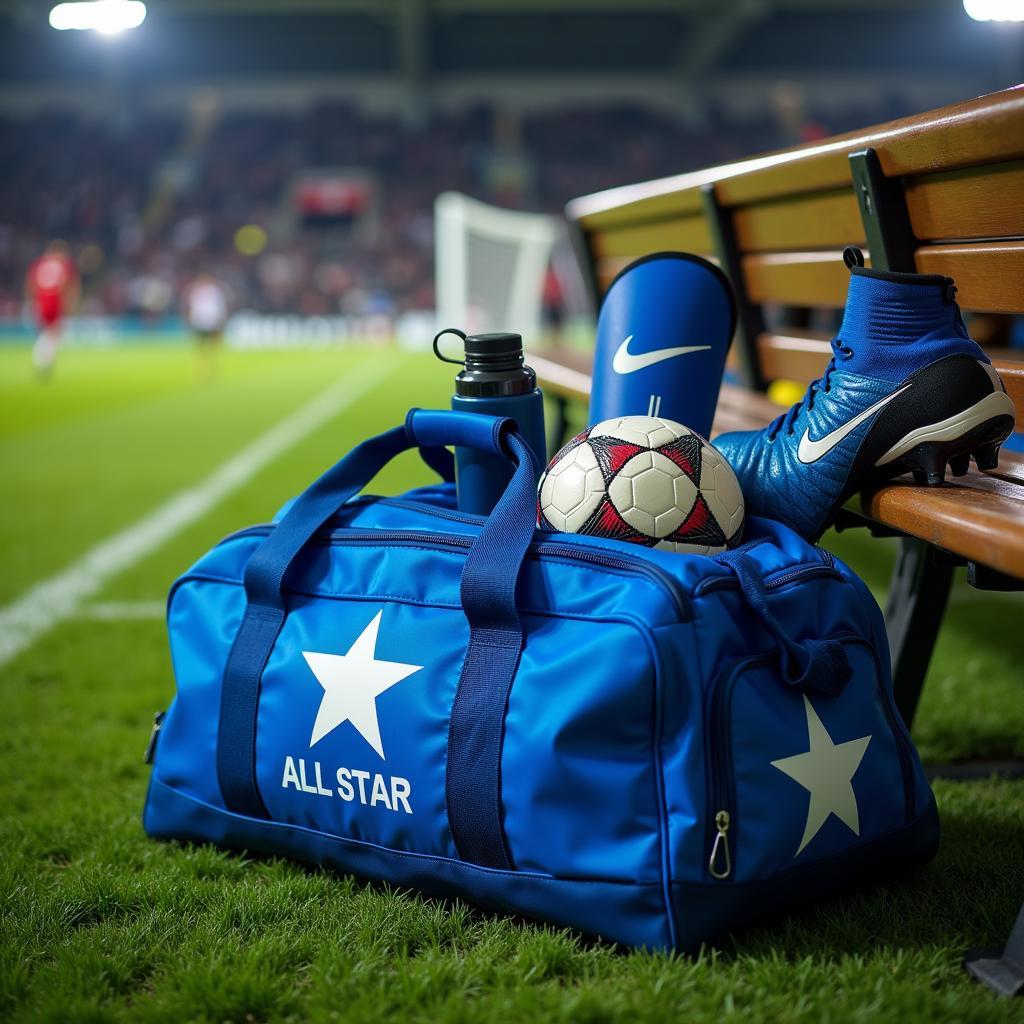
[{"x": 941, "y": 193}]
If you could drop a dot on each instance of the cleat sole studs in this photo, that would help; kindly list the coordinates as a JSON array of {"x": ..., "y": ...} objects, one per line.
[
  {"x": 988, "y": 457},
  {"x": 959, "y": 464},
  {"x": 928, "y": 464}
]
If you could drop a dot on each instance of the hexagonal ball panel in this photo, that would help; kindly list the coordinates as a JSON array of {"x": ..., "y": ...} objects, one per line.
[
  {"x": 571, "y": 489},
  {"x": 652, "y": 494},
  {"x": 722, "y": 491},
  {"x": 649, "y": 431}
]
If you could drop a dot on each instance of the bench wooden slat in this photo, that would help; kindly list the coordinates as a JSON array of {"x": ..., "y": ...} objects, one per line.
[
  {"x": 824, "y": 221},
  {"x": 979, "y": 131},
  {"x": 564, "y": 372},
  {"x": 1011, "y": 468},
  {"x": 989, "y": 275},
  {"x": 973, "y": 202},
  {"x": 812, "y": 279},
  {"x": 689, "y": 234},
  {"x": 756, "y": 409},
  {"x": 639, "y": 203},
  {"x": 794, "y": 355},
  {"x": 1012, "y": 374},
  {"x": 607, "y": 268},
  {"x": 971, "y": 517}
]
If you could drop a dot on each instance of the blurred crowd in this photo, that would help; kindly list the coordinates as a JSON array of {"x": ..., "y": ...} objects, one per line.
[{"x": 146, "y": 204}]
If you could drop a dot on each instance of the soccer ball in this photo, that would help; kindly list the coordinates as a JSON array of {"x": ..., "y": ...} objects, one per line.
[{"x": 645, "y": 480}]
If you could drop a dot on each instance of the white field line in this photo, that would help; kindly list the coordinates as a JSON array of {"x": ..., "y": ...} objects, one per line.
[
  {"x": 60, "y": 597},
  {"x": 122, "y": 611}
]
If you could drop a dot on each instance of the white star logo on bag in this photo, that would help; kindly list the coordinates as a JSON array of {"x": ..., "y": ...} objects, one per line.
[
  {"x": 826, "y": 771},
  {"x": 352, "y": 683}
]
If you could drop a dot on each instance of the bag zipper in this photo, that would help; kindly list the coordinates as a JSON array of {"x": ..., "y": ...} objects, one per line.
[
  {"x": 453, "y": 515},
  {"x": 154, "y": 735},
  {"x": 721, "y": 830},
  {"x": 537, "y": 551},
  {"x": 562, "y": 550},
  {"x": 801, "y": 572},
  {"x": 723, "y": 797}
]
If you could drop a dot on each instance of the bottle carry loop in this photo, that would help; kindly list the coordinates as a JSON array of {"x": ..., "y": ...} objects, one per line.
[
  {"x": 436, "y": 346},
  {"x": 488, "y": 583},
  {"x": 821, "y": 666}
]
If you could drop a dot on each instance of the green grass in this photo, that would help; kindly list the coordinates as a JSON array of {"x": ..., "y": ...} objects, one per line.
[{"x": 99, "y": 923}]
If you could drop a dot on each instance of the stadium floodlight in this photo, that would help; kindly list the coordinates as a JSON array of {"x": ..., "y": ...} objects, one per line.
[
  {"x": 995, "y": 10},
  {"x": 108, "y": 17}
]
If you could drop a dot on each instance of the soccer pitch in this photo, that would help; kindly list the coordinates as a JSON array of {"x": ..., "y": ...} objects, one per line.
[{"x": 101, "y": 923}]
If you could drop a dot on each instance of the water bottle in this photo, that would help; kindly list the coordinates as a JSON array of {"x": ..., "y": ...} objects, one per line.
[
  {"x": 662, "y": 336},
  {"x": 494, "y": 381}
]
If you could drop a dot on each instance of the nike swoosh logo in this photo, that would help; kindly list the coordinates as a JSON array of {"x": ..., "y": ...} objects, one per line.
[
  {"x": 627, "y": 362},
  {"x": 811, "y": 450}
]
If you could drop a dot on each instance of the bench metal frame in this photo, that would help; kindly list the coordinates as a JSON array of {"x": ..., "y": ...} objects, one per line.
[
  {"x": 921, "y": 579},
  {"x": 749, "y": 317}
]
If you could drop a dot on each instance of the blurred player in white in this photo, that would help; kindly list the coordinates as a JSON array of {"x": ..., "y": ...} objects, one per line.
[
  {"x": 206, "y": 304},
  {"x": 52, "y": 287}
]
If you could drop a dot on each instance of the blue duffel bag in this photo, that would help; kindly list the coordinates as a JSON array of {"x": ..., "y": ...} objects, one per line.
[{"x": 646, "y": 746}]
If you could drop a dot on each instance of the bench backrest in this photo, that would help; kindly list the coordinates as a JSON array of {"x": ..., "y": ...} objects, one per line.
[{"x": 941, "y": 193}]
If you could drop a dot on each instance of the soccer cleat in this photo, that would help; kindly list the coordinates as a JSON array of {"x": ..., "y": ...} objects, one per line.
[{"x": 906, "y": 389}]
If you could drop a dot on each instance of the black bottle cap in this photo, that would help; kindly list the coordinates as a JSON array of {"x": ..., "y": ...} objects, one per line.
[
  {"x": 494, "y": 351},
  {"x": 494, "y": 365}
]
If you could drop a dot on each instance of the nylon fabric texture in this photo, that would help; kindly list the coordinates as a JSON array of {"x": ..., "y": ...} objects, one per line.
[{"x": 649, "y": 747}]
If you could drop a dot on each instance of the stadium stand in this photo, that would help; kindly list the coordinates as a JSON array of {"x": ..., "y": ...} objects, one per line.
[{"x": 103, "y": 184}]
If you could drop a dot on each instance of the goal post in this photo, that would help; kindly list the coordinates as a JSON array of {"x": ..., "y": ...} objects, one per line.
[{"x": 490, "y": 265}]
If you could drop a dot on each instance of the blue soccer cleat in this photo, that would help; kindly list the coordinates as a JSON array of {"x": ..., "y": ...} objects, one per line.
[{"x": 906, "y": 389}]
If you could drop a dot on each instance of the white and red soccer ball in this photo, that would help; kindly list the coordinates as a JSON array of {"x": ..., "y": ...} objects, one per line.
[{"x": 644, "y": 480}]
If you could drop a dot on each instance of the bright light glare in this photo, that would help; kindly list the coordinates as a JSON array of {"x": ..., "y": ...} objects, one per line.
[
  {"x": 106, "y": 16},
  {"x": 995, "y": 10}
]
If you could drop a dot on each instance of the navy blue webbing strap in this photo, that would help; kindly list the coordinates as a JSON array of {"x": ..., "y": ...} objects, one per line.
[
  {"x": 473, "y": 787},
  {"x": 477, "y": 725},
  {"x": 441, "y": 461},
  {"x": 265, "y": 613}
]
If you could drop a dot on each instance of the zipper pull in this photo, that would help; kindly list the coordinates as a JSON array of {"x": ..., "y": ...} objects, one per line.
[
  {"x": 158, "y": 721},
  {"x": 721, "y": 846}
]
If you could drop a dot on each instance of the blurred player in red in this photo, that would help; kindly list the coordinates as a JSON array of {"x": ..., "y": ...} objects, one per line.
[
  {"x": 52, "y": 286},
  {"x": 206, "y": 304},
  {"x": 553, "y": 306}
]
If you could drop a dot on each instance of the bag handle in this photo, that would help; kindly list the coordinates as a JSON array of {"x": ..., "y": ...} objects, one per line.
[
  {"x": 488, "y": 599},
  {"x": 426, "y": 429},
  {"x": 441, "y": 461}
]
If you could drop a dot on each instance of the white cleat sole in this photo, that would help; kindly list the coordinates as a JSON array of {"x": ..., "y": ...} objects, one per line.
[{"x": 997, "y": 404}]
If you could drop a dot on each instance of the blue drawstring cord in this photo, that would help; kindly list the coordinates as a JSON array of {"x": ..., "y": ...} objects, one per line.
[
  {"x": 820, "y": 666},
  {"x": 788, "y": 418}
]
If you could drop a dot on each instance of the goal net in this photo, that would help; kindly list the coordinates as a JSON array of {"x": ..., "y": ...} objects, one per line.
[{"x": 490, "y": 265}]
